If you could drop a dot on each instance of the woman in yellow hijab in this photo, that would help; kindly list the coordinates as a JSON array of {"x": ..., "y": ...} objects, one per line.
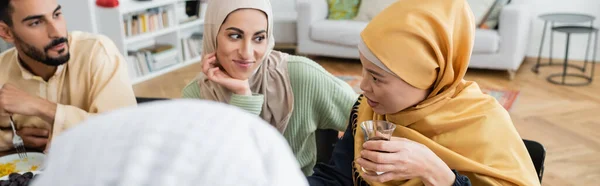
[{"x": 415, "y": 54}]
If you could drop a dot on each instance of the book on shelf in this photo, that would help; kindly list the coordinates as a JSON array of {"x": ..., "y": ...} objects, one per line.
[
  {"x": 150, "y": 20},
  {"x": 150, "y": 59},
  {"x": 192, "y": 46}
]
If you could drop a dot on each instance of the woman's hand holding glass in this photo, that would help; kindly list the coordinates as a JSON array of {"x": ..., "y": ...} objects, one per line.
[{"x": 401, "y": 159}]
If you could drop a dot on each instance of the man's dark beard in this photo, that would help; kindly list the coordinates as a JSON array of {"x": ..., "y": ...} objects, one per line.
[{"x": 40, "y": 56}]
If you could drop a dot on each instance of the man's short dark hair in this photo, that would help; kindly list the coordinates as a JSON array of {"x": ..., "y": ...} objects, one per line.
[{"x": 5, "y": 12}]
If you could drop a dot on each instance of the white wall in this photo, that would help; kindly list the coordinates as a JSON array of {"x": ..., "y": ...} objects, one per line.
[
  {"x": 578, "y": 41},
  {"x": 85, "y": 20}
]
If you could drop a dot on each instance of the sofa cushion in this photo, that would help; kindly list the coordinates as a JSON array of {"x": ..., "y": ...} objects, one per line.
[
  {"x": 368, "y": 10},
  {"x": 480, "y": 8},
  {"x": 486, "y": 41},
  {"x": 342, "y": 9},
  {"x": 339, "y": 32},
  {"x": 493, "y": 16}
]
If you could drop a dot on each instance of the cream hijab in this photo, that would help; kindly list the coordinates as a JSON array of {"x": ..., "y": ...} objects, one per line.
[
  {"x": 429, "y": 45},
  {"x": 164, "y": 143},
  {"x": 271, "y": 79}
]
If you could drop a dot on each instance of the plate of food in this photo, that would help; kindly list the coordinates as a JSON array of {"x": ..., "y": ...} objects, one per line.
[{"x": 14, "y": 169}]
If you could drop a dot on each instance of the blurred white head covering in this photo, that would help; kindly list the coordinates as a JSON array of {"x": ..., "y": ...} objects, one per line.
[{"x": 180, "y": 143}]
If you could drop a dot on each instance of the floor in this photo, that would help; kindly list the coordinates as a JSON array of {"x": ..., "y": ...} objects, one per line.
[{"x": 564, "y": 119}]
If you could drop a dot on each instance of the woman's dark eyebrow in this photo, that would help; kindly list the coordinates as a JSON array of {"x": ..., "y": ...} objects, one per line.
[
  {"x": 235, "y": 29},
  {"x": 260, "y": 32},
  {"x": 374, "y": 73}
]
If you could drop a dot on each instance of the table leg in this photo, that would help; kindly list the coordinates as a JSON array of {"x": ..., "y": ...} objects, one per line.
[
  {"x": 566, "y": 59},
  {"x": 537, "y": 64},
  {"x": 594, "y": 55},
  {"x": 587, "y": 48},
  {"x": 551, "y": 42}
]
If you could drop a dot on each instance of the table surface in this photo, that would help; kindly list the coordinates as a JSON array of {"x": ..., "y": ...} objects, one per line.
[
  {"x": 575, "y": 29},
  {"x": 567, "y": 17}
]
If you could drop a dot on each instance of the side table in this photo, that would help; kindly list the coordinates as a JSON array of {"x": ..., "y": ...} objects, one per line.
[
  {"x": 552, "y": 18},
  {"x": 568, "y": 30}
]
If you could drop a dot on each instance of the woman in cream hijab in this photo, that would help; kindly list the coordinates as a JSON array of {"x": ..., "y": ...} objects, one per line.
[
  {"x": 292, "y": 93},
  {"x": 164, "y": 143},
  {"x": 447, "y": 131}
]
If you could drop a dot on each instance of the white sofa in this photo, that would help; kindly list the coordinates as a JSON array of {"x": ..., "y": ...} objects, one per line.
[
  {"x": 502, "y": 49},
  {"x": 284, "y": 19}
]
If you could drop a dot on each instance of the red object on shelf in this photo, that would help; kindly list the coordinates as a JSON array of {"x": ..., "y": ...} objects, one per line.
[{"x": 107, "y": 3}]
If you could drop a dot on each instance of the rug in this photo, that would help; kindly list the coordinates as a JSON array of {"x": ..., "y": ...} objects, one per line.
[{"x": 506, "y": 98}]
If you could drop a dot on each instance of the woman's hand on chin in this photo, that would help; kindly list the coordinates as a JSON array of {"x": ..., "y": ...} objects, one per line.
[
  {"x": 215, "y": 74},
  {"x": 402, "y": 159}
]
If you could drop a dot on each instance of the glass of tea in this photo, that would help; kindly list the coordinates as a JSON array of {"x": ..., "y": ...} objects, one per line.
[{"x": 377, "y": 130}]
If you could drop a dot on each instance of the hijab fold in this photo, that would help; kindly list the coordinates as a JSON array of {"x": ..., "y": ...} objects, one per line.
[
  {"x": 271, "y": 79},
  {"x": 428, "y": 45}
]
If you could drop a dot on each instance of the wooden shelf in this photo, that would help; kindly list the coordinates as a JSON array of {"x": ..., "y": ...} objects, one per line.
[
  {"x": 164, "y": 71},
  {"x": 150, "y": 35},
  {"x": 190, "y": 24},
  {"x": 131, "y": 6}
]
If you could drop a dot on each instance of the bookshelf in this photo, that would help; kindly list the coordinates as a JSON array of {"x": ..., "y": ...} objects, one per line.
[{"x": 159, "y": 22}]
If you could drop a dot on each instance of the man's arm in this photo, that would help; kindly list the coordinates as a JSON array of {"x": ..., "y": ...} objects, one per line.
[
  {"x": 109, "y": 88},
  {"x": 46, "y": 110},
  {"x": 6, "y": 140},
  {"x": 16, "y": 101}
]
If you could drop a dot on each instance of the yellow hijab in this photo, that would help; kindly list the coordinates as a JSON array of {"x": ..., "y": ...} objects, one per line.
[{"x": 428, "y": 44}]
